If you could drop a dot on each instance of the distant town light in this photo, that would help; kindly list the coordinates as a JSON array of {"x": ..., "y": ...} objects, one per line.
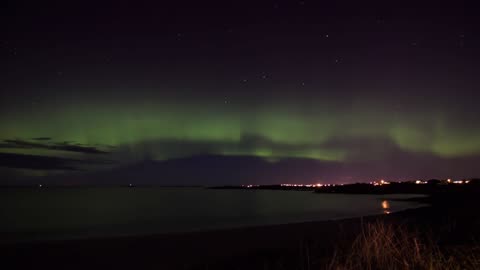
[{"x": 301, "y": 185}]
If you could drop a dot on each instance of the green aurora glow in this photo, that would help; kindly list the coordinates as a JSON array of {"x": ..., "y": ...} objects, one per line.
[{"x": 277, "y": 131}]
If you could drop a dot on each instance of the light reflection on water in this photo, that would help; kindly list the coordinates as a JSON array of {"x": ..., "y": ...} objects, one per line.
[
  {"x": 79, "y": 212},
  {"x": 386, "y": 207}
]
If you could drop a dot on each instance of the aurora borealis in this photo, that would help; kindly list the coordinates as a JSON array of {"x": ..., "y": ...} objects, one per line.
[
  {"x": 350, "y": 97},
  {"x": 307, "y": 129}
]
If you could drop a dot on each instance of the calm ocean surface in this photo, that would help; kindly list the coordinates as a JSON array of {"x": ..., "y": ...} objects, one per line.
[{"x": 54, "y": 213}]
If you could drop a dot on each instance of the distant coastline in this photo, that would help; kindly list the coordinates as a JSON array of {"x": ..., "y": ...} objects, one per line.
[{"x": 432, "y": 186}]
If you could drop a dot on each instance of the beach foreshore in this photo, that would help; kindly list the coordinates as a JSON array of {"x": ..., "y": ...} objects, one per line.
[{"x": 286, "y": 246}]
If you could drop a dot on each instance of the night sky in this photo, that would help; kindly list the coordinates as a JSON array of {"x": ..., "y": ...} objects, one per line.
[{"x": 238, "y": 92}]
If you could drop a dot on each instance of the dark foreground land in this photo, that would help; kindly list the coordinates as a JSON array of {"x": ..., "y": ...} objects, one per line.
[{"x": 451, "y": 225}]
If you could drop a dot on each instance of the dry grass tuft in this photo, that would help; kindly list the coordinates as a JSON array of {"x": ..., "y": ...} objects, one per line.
[{"x": 384, "y": 246}]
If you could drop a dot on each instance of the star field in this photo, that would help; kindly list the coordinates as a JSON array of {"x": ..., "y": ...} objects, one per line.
[{"x": 375, "y": 89}]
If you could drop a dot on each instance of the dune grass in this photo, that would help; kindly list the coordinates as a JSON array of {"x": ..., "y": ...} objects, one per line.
[{"x": 386, "y": 246}]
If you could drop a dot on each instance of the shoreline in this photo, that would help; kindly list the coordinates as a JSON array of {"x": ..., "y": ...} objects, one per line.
[
  {"x": 450, "y": 219},
  {"x": 60, "y": 239},
  {"x": 201, "y": 248},
  {"x": 103, "y": 234}
]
